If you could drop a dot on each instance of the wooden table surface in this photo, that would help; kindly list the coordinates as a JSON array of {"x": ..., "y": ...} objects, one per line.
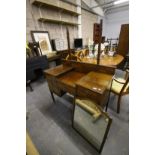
[
  {"x": 58, "y": 70},
  {"x": 71, "y": 77},
  {"x": 95, "y": 81},
  {"x": 105, "y": 60},
  {"x": 92, "y": 81}
]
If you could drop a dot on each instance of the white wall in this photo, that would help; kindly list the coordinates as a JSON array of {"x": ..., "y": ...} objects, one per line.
[
  {"x": 113, "y": 20},
  {"x": 88, "y": 20}
]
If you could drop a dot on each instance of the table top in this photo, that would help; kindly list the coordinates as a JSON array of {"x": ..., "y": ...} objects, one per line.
[
  {"x": 95, "y": 81},
  {"x": 71, "y": 77},
  {"x": 58, "y": 70},
  {"x": 105, "y": 60}
]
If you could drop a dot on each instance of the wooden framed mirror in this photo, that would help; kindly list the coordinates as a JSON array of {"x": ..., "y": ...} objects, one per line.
[{"x": 90, "y": 122}]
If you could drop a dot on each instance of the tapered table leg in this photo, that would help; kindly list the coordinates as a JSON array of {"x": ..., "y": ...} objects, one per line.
[
  {"x": 107, "y": 102},
  {"x": 109, "y": 96},
  {"x": 53, "y": 97}
]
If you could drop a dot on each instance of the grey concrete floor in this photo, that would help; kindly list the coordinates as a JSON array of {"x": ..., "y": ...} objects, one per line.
[{"x": 49, "y": 125}]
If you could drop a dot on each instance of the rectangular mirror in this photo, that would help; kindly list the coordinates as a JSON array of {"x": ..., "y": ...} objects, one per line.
[{"x": 91, "y": 123}]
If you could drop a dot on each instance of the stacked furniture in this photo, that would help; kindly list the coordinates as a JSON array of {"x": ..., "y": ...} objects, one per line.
[
  {"x": 35, "y": 67},
  {"x": 123, "y": 45}
]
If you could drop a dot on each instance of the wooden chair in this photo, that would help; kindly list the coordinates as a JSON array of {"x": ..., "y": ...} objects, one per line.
[
  {"x": 79, "y": 53},
  {"x": 120, "y": 87},
  {"x": 82, "y": 53},
  {"x": 73, "y": 57}
]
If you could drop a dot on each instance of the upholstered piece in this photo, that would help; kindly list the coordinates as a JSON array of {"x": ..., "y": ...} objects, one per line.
[
  {"x": 30, "y": 147},
  {"x": 117, "y": 87}
]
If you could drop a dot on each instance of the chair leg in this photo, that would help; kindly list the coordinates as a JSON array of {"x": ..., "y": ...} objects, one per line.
[
  {"x": 118, "y": 103},
  {"x": 52, "y": 96}
]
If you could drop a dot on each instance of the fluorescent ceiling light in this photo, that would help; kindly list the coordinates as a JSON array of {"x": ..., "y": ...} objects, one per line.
[{"x": 120, "y": 1}]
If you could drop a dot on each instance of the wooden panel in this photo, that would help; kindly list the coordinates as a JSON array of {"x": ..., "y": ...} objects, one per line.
[
  {"x": 123, "y": 45},
  {"x": 86, "y": 93},
  {"x": 96, "y": 82},
  {"x": 100, "y": 99},
  {"x": 96, "y": 33},
  {"x": 70, "y": 78},
  {"x": 66, "y": 88},
  {"x": 86, "y": 67},
  {"x": 53, "y": 85},
  {"x": 61, "y": 69},
  {"x": 95, "y": 86},
  {"x": 67, "y": 81}
]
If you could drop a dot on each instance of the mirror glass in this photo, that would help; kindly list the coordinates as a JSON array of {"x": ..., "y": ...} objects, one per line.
[{"x": 90, "y": 122}]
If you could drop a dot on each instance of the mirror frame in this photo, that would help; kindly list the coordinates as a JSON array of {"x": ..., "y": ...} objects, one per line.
[{"x": 106, "y": 131}]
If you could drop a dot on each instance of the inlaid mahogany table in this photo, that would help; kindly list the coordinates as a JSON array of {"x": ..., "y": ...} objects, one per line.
[{"x": 78, "y": 78}]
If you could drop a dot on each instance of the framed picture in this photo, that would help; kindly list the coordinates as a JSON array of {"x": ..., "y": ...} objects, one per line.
[
  {"x": 44, "y": 41},
  {"x": 90, "y": 122}
]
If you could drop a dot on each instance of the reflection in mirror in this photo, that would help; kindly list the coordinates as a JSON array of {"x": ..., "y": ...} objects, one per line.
[{"x": 92, "y": 123}]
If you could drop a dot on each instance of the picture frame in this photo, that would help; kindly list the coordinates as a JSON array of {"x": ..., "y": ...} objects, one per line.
[
  {"x": 85, "y": 123},
  {"x": 43, "y": 38}
]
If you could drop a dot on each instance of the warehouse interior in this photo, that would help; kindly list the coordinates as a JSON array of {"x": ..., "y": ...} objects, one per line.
[{"x": 77, "y": 77}]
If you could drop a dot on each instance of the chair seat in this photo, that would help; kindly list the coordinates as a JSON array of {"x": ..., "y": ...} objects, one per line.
[
  {"x": 116, "y": 87},
  {"x": 120, "y": 87}
]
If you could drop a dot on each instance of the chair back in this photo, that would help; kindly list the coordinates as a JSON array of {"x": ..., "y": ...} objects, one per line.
[{"x": 125, "y": 88}]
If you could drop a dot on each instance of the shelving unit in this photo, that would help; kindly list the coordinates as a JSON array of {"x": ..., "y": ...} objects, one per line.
[
  {"x": 43, "y": 19},
  {"x": 41, "y": 2}
]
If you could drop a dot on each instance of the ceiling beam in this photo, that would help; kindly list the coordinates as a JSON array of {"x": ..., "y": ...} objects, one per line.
[
  {"x": 104, "y": 4},
  {"x": 113, "y": 7},
  {"x": 91, "y": 3}
]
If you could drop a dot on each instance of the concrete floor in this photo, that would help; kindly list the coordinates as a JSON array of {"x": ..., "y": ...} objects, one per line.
[{"x": 49, "y": 125}]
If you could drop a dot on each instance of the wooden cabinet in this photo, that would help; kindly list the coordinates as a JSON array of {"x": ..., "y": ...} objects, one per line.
[
  {"x": 123, "y": 45},
  {"x": 96, "y": 35}
]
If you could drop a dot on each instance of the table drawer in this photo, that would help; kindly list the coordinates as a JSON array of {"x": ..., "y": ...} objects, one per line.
[
  {"x": 86, "y": 93},
  {"x": 53, "y": 85},
  {"x": 66, "y": 88}
]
